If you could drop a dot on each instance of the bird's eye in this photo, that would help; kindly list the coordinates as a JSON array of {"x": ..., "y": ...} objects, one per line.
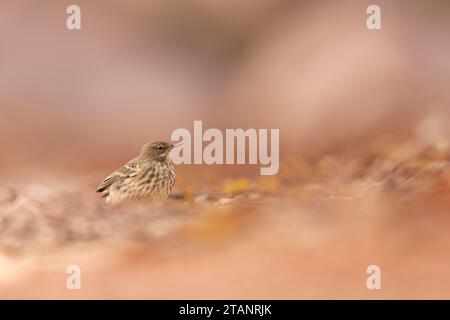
[{"x": 160, "y": 148}]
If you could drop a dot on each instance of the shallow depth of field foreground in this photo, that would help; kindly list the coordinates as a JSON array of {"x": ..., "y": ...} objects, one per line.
[
  {"x": 364, "y": 170},
  {"x": 310, "y": 232}
]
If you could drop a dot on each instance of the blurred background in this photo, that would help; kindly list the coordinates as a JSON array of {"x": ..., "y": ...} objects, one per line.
[
  {"x": 75, "y": 105},
  {"x": 139, "y": 69}
]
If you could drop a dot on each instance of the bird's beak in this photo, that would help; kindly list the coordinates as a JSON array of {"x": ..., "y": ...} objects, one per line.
[{"x": 177, "y": 144}]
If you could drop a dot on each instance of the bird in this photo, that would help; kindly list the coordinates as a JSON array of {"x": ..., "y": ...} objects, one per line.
[{"x": 149, "y": 177}]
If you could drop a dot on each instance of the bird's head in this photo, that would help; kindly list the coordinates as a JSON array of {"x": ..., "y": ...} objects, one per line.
[{"x": 158, "y": 150}]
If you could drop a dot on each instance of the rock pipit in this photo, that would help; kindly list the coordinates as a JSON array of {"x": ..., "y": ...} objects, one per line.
[{"x": 149, "y": 177}]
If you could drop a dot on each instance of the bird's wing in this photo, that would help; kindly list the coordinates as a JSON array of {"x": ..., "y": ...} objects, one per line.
[{"x": 128, "y": 170}]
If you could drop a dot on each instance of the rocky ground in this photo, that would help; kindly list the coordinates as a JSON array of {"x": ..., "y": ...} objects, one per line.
[{"x": 309, "y": 232}]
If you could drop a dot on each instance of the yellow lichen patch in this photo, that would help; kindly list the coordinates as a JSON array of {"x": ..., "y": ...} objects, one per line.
[
  {"x": 189, "y": 194},
  {"x": 236, "y": 186}
]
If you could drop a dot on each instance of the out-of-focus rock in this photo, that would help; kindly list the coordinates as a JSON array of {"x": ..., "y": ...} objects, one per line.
[
  {"x": 38, "y": 192},
  {"x": 224, "y": 202},
  {"x": 7, "y": 195}
]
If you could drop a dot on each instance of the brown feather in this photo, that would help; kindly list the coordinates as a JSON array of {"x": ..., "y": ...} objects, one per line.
[
  {"x": 120, "y": 174},
  {"x": 148, "y": 177}
]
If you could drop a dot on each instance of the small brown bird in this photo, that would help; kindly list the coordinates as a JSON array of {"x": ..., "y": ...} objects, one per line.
[{"x": 149, "y": 177}]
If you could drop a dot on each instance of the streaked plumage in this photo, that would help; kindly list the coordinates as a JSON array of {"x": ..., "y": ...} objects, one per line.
[{"x": 149, "y": 177}]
